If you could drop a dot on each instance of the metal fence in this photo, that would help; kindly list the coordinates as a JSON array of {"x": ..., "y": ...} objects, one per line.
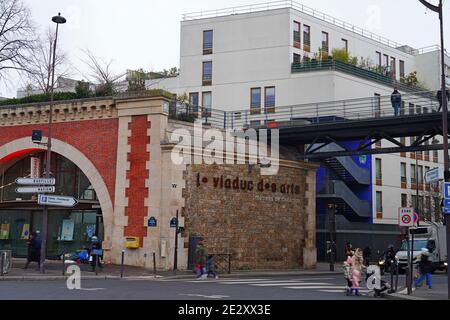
[{"x": 376, "y": 107}]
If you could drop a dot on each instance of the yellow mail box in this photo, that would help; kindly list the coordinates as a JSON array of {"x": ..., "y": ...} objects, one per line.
[{"x": 132, "y": 242}]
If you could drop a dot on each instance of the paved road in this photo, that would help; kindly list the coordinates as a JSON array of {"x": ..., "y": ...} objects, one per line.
[{"x": 261, "y": 288}]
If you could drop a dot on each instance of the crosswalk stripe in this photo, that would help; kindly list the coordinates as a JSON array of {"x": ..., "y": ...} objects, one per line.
[
  {"x": 283, "y": 284},
  {"x": 339, "y": 291},
  {"x": 263, "y": 282},
  {"x": 315, "y": 287}
]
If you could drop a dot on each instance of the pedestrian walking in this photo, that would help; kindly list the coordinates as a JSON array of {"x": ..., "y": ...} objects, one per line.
[
  {"x": 396, "y": 100},
  {"x": 210, "y": 268},
  {"x": 349, "y": 252},
  {"x": 425, "y": 269},
  {"x": 34, "y": 249},
  {"x": 348, "y": 274},
  {"x": 357, "y": 270},
  {"x": 201, "y": 256},
  {"x": 439, "y": 98}
]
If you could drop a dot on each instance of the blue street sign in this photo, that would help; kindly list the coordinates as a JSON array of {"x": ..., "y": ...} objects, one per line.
[
  {"x": 447, "y": 190},
  {"x": 152, "y": 222},
  {"x": 173, "y": 223},
  {"x": 446, "y": 210},
  {"x": 447, "y": 203}
]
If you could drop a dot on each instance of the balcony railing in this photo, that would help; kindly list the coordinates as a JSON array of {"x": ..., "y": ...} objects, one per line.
[
  {"x": 334, "y": 65},
  {"x": 273, "y": 5}
]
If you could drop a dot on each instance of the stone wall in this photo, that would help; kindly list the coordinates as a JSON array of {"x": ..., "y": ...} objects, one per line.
[{"x": 261, "y": 221}]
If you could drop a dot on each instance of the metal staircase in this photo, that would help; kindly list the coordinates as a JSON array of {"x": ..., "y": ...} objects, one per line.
[
  {"x": 345, "y": 167},
  {"x": 353, "y": 208}
]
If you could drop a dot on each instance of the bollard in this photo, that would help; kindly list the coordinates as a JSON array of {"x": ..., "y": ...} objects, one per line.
[
  {"x": 2, "y": 263},
  {"x": 122, "y": 263},
  {"x": 154, "y": 263}
]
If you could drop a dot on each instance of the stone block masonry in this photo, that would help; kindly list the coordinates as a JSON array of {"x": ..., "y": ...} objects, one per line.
[{"x": 263, "y": 222}]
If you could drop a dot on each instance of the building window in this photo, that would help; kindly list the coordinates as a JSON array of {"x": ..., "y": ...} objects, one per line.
[
  {"x": 208, "y": 42},
  {"x": 420, "y": 207},
  {"x": 297, "y": 58},
  {"x": 297, "y": 30},
  {"x": 207, "y": 73},
  {"x": 420, "y": 175},
  {"x": 269, "y": 100},
  {"x": 414, "y": 203},
  {"x": 306, "y": 59},
  {"x": 428, "y": 208},
  {"x": 379, "y": 202},
  {"x": 386, "y": 60},
  {"x": 377, "y": 105},
  {"x": 413, "y": 174},
  {"x": 207, "y": 103},
  {"x": 379, "y": 172},
  {"x": 345, "y": 44},
  {"x": 402, "y": 69},
  {"x": 403, "y": 174},
  {"x": 378, "y": 59},
  {"x": 255, "y": 103},
  {"x": 393, "y": 67},
  {"x": 193, "y": 99},
  {"x": 404, "y": 201},
  {"x": 325, "y": 42},
  {"x": 435, "y": 156},
  {"x": 306, "y": 38}
]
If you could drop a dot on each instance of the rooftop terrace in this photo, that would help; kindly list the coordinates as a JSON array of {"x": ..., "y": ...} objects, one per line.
[{"x": 293, "y": 5}]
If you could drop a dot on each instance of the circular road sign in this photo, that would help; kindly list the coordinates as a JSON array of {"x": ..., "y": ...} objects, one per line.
[{"x": 406, "y": 219}]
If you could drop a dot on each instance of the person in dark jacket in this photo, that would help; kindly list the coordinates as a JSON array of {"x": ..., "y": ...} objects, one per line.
[
  {"x": 96, "y": 253},
  {"x": 366, "y": 256},
  {"x": 425, "y": 268},
  {"x": 396, "y": 100},
  {"x": 349, "y": 252},
  {"x": 439, "y": 98},
  {"x": 34, "y": 249}
]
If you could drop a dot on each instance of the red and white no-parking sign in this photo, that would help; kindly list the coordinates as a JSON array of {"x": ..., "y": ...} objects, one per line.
[{"x": 406, "y": 217}]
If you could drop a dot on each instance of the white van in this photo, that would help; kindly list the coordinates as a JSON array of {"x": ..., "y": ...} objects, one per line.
[{"x": 431, "y": 236}]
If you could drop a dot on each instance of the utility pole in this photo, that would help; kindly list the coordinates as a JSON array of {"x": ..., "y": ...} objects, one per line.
[
  {"x": 440, "y": 9},
  {"x": 58, "y": 20}
]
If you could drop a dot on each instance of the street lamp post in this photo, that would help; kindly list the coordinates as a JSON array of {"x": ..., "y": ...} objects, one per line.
[
  {"x": 440, "y": 9},
  {"x": 58, "y": 20}
]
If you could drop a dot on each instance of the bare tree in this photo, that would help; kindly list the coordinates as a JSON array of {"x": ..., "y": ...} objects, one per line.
[
  {"x": 101, "y": 73},
  {"x": 17, "y": 38},
  {"x": 40, "y": 68}
]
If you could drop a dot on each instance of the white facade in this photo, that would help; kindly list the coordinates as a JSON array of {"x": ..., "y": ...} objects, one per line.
[{"x": 256, "y": 49}]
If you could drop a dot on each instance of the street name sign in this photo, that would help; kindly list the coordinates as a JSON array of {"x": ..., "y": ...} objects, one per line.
[
  {"x": 36, "y": 182},
  {"x": 35, "y": 190},
  {"x": 406, "y": 217},
  {"x": 434, "y": 175},
  {"x": 447, "y": 190},
  {"x": 58, "y": 201}
]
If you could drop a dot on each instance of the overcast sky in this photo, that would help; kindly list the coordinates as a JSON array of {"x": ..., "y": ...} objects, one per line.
[{"x": 145, "y": 33}]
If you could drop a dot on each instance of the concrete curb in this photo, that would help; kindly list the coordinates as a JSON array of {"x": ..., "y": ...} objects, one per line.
[
  {"x": 64, "y": 278},
  {"x": 400, "y": 296}
]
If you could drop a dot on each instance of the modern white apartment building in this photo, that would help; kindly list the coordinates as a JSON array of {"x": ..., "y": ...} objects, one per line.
[{"x": 255, "y": 58}]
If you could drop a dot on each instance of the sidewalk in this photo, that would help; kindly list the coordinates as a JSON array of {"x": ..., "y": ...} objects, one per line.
[
  {"x": 439, "y": 292},
  {"x": 54, "y": 271}
]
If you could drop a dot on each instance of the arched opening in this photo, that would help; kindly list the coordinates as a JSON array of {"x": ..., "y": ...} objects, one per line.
[{"x": 69, "y": 229}]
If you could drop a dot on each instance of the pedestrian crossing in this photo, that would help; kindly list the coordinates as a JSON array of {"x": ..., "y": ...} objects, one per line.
[{"x": 321, "y": 284}]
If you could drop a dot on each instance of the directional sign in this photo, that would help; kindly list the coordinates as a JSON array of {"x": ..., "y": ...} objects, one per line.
[
  {"x": 447, "y": 190},
  {"x": 35, "y": 190},
  {"x": 434, "y": 175},
  {"x": 446, "y": 210},
  {"x": 58, "y": 201},
  {"x": 406, "y": 217},
  {"x": 36, "y": 182}
]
